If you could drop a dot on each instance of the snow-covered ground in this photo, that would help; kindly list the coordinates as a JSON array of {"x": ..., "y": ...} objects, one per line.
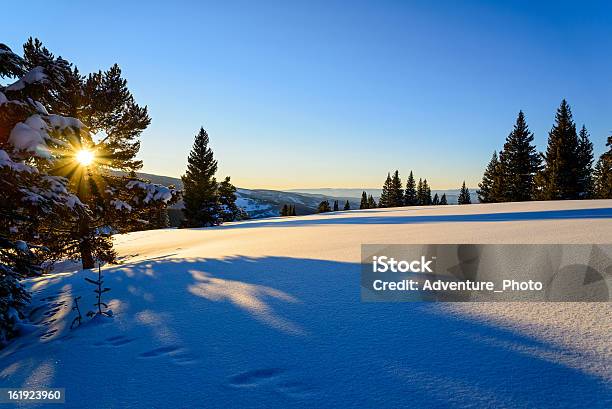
[{"x": 267, "y": 313}]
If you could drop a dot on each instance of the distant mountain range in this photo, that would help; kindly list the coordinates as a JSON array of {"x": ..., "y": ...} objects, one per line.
[{"x": 260, "y": 203}]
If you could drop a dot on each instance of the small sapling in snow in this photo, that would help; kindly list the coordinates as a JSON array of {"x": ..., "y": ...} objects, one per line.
[
  {"x": 77, "y": 321},
  {"x": 99, "y": 291}
]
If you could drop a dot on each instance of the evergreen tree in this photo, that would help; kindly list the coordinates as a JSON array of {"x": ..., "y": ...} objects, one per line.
[
  {"x": 372, "y": 203},
  {"x": 292, "y": 211},
  {"x": 336, "y": 208},
  {"x": 602, "y": 176},
  {"x": 436, "y": 200},
  {"x": 347, "y": 206},
  {"x": 396, "y": 191},
  {"x": 420, "y": 193},
  {"x": 109, "y": 125},
  {"x": 201, "y": 196},
  {"x": 324, "y": 207},
  {"x": 519, "y": 164},
  {"x": 229, "y": 211},
  {"x": 464, "y": 195},
  {"x": 34, "y": 204},
  {"x": 491, "y": 186},
  {"x": 385, "y": 196},
  {"x": 364, "y": 200},
  {"x": 559, "y": 179},
  {"x": 158, "y": 218},
  {"x": 410, "y": 196},
  {"x": 284, "y": 210},
  {"x": 584, "y": 158},
  {"x": 443, "y": 199},
  {"x": 426, "y": 193}
]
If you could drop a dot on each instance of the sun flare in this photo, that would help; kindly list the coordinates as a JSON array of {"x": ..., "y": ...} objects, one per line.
[{"x": 85, "y": 157}]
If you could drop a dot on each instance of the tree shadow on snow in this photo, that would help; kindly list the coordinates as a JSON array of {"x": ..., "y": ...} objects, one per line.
[
  {"x": 364, "y": 219},
  {"x": 304, "y": 317}
]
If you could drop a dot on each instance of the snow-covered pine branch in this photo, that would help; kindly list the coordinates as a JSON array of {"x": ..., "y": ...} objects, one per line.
[{"x": 32, "y": 200}]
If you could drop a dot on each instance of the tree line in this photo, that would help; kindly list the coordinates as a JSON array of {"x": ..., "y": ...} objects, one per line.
[
  {"x": 414, "y": 194},
  {"x": 564, "y": 171},
  {"x": 288, "y": 210},
  {"x": 324, "y": 206}
]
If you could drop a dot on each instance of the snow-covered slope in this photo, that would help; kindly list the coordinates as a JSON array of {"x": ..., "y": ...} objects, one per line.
[
  {"x": 259, "y": 203},
  {"x": 266, "y": 313}
]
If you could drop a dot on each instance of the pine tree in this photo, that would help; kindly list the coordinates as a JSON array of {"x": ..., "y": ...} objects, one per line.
[
  {"x": 423, "y": 193},
  {"x": 559, "y": 178},
  {"x": 372, "y": 203},
  {"x": 464, "y": 195},
  {"x": 436, "y": 200},
  {"x": 426, "y": 193},
  {"x": 347, "y": 206},
  {"x": 385, "y": 196},
  {"x": 410, "y": 196},
  {"x": 443, "y": 199},
  {"x": 336, "y": 208},
  {"x": 158, "y": 218},
  {"x": 292, "y": 211},
  {"x": 396, "y": 191},
  {"x": 324, "y": 207},
  {"x": 364, "y": 200},
  {"x": 490, "y": 189},
  {"x": 420, "y": 193},
  {"x": 519, "y": 163},
  {"x": 584, "y": 158},
  {"x": 33, "y": 203},
  {"x": 602, "y": 175},
  {"x": 201, "y": 197},
  {"x": 284, "y": 210},
  {"x": 109, "y": 125},
  {"x": 229, "y": 211}
]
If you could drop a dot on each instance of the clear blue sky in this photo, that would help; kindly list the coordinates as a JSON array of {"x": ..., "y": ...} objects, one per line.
[{"x": 335, "y": 94}]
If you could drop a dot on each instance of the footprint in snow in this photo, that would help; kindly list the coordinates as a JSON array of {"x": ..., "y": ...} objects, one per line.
[
  {"x": 177, "y": 354},
  {"x": 115, "y": 341},
  {"x": 52, "y": 312},
  {"x": 48, "y": 334},
  {"x": 274, "y": 378},
  {"x": 159, "y": 352},
  {"x": 255, "y": 377}
]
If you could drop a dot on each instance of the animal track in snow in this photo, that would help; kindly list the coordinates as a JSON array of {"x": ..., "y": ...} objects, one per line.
[
  {"x": 177, "y": 354},
  {"x": 48, "y": 334},
  {"x": 274, "y": 378},
  {"x": 255, "y": 377},
  {"x": 115, "y": 341},
  {"x": 184, "y": 358},
  {"x": 168, "y": 350}
]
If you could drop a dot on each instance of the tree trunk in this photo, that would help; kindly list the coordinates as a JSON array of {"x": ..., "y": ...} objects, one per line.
[
  {"x": 87, "y": 258},
  {"x": 86, "y": 246}
]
